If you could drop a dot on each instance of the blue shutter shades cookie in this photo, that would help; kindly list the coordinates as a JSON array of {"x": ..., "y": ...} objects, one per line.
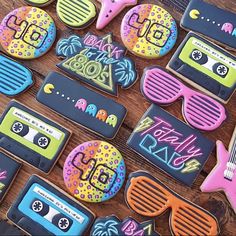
[
  {"x": 31, "y": 137},
  {"x": 211, "y": 21},
  {"x": 43, "y": 209},
  {"x": 97, "y": 61},
  {"x": 170, "y": 144},
  {"x": 81, "y": 105},
  {"x": 8, "y": 171},
  {"x": 14, "y": 77}
]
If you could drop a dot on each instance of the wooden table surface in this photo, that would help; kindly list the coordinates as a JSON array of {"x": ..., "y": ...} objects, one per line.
[{"x": 136, "y": 105}]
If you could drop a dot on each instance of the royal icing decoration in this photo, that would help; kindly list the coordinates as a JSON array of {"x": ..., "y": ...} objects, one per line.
[
  {"x": 76, "y": 13},
  {"x": 39, "y": 3},
  {"x": 27, "y": 32},
  {"x": 148, "y": 31},
  {"x": 110, "y": 9},
  {"x": 224, "y": 172},
  {"x": 97, "y": 61},
  {"x": 94, "y": 171},
  {"x": 170, "y": 144}
]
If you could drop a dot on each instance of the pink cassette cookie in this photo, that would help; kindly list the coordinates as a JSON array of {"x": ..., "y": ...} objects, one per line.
[
  {"x": 94, "y": 171},
  {"x": 149, "y": 31}
]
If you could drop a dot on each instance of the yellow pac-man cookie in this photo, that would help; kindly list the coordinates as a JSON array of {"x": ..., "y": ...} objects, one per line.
[{"x": 76, "y": 13}]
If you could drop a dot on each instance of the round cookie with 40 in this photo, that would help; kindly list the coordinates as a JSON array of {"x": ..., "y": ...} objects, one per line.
[
  {"x": 94, "y": 171},
  {"x": 27, "y": 32},
  {"x": 149, "y": 31}
]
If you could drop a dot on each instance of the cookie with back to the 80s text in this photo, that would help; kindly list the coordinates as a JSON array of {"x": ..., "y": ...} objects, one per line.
[
  {"x": 148, "y": 31},
  {"x": 53, "y": 211},
  {"x": 98, "y": 61},
  {"x": 32, "y": 137},
  {"x": 205, "y": 66},
  {"x": 211, "y": 21},
  {"x": 81, "y": 105}
]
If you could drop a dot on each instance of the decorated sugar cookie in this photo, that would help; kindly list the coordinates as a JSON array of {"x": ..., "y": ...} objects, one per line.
[
  {"x": 149, "y": 31},
  {"x": 94, "y": 171},
  {"x": 39, "y": 3},
  {"x": 76, "y": 13},
  {"x": 27, "y": 32}
]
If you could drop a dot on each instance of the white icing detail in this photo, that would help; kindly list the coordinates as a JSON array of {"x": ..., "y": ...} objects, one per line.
[
  {"x": 31, "y": 134},
  {"x": 56, "y": 202},
  {"x": 63, "y": 95},
  {"x": 68, "y": 98},
  {"x": 218, "y": 24},
  {"x": 57, "y": 92},
  {"x": 51, "y": 213},
  {"x": 205, "y": 48},
  {"x": 213, "y": 22},
  {"x": 36, "y": 123},
  {"x": 208, "y": 19},
  {"x": 202, "y": 17}
]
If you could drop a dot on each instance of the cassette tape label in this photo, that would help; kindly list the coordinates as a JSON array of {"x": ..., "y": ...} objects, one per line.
[
  {"x": 31, "y": 137},
  {"x": 43, "y": 209},
  {"x": 209, "y": 61}
]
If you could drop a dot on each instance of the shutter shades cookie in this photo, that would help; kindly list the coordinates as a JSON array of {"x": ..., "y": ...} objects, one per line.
[
  {"x": 43, "y": 209},
  {"x": 199, "y": 110},
  {"x": 81, "y": 105},
  {"x": 14, "y": 77},
  {"x": 170, "y": 144},
  {"x": 76, "y": 13},
  {"x": 31, "y": 137},
  {"x": 211, "y": 21},
  {"x": 205, "y": 66},
  {"x": 8, "y": 171},
  {"x": 98, "y": 61},
  {"x": 110, "y": 9},
  {"x": 148, "y": 31},
  {"x": 149, "y": 197},
  {"x": 94, "y": 171},
  {"x": 27, "y": 32}
]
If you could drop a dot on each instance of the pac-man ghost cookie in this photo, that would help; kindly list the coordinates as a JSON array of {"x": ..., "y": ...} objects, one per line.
[
  {"x": 112, "y": 226},
  {"x": 14, "y": 77},
  {"x": 38, "y": 3},
  {"x": 149, "y": 197},
  {"x": 27, "y": 32},
  {"x": 110, "y": 9},
  {"x": 8, "y": 171},
  {"x": 148, "y": 31},
  {"x": 76, "y": 13},
  {"x": 94, "y": 171}
]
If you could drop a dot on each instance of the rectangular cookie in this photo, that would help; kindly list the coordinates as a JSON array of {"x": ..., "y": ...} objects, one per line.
[
  {"x": 82, "y": 105},
  {"x": 8, "y": 171},
  {"x": 31, "y": 137},
  {"x": 205, "y": 66},
  {"x": 211, "y": 21},
  {"x": 43, "y": 209},
  {"x": 170, "y": 144}
]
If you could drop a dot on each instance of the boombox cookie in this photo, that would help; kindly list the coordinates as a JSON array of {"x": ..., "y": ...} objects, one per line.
[
  {"x": 148, "y": 31},
  {"x": 27, "y": 32},
  {"x": 76, "y": 14},
  {"x": 39, "y": 3},
  {"x": 147, "y": 196},
  {"x": 200, "y": 111},
  {"x": 111, "y": 225},
  {"x": 41, "y": 208},
  {"x": 205, "y": 66},
  {"x": 211, "y": 21},
  {"x": 110, "y": 9},
  {"x": 8, "y": 171},
  {"x": 81, "y": 105},
  {"x": 97, "y": 61},
  {"x": 14, "y": 77},
  {"x": 94, "y": 171},
  {"x": 170, "y": 144},
  {"x": 224, "y": 172},
  {"x": 31, "y": 137}
]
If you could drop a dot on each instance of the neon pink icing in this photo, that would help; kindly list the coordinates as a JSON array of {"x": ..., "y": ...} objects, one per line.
[{"x": 110, "y": 9}]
